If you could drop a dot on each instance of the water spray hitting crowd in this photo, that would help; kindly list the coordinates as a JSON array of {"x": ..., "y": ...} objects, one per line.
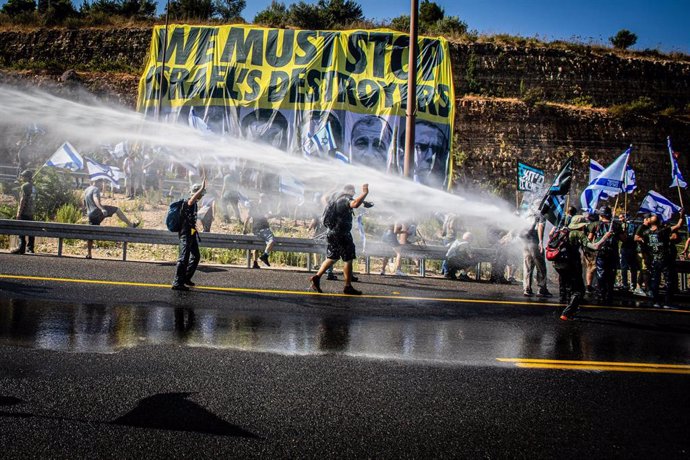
[{"x": 89, "y": 124}]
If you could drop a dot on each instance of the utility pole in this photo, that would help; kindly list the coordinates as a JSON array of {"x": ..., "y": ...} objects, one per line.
[
  {"x": 411, "y": 92},
  {"x": 160, "y": 79}
]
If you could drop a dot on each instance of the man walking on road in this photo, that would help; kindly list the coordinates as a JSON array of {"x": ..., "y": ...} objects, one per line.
[
  {"x": 25, "y": 211},
  {"x": 338, "y": 220},
  {"x": 189, "y": 255},
  {"x": 534, "y": 257}
]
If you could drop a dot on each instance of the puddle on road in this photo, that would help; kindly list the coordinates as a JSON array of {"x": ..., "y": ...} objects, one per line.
[{"x": 95, "y": 328}]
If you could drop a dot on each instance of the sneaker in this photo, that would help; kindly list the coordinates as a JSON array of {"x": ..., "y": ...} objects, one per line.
[
  {"x": 332, "y": 277},
  {"x": 315, "y": 284},
  {"x": 354, "y": 279},
  {"x": 17, "y": 251},
  {"x": 30, "y": 251},
  {"x": 512, "y": 280},
  {"x": 528, "y": 293},
  {"x": 590, "y": 289},
  {"x": 264, "y": 259},
  {"x": 464, "y": 277},
  {"x": 544, "y": 293},
  {"x": 400, "y": 273},
  {"x": 179, "y": 287},
  {"x": 349, "y": 290},
  {"x": 383, "y": 272},
  {"x": 256, "y": 264},
  {"x": 640, "y": 292},
  {"x": 136, "y": 224},
  {"x": 566, "y": 318},
  {"x": 657, "y": 305},
  {"x": 190, "y": 283}
]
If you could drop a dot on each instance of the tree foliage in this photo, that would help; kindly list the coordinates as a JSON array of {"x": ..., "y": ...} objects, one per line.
[
  {"x": 229, "y": 10},
  {"x": 623, "y": 40},
  {"x": 191, "y": 9},
  {"x": 15, "y": 8},
  {"x": 325, "y": 14},
  {"x": 432, "y": 21}
]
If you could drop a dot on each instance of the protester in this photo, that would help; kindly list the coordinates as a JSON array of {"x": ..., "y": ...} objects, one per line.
[
  {"x": 459, "y": 257},
  {"x": 590, "y": 255},
  {"x": 25, "y": 210},
  {"x": 607, "y": 256},
  {"x": 339, "y": 236},
  {"x": 391, "y": 239},
  {"x": 189, "y": 254},
  {"x": 628, "y": 259},
  {"x": 207, "y": 211},
  {"x": 533, "y": 257},
  {"x": 644, "y": 257},
  {"x": 259, "y": 215},
  {"x": 569, "y": 269},
  {"x": 656, "y": 238},
  {"x": 96, "y": 211}
]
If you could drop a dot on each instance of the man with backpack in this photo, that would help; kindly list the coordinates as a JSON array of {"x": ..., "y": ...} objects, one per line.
[
  {"x": 189, "y": 254},
  {"x": 337, "y": 218},
  {"x": 569, "y": 265},
  {"x": 607, "y": 256}
]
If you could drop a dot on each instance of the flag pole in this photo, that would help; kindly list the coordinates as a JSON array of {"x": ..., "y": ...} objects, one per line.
[
  {"x": 615, "y": 206},
  {"x": 670, "y": 151}
]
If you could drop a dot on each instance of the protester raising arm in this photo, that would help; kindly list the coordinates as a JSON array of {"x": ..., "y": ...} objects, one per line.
[{"x": 357, "y": 202}]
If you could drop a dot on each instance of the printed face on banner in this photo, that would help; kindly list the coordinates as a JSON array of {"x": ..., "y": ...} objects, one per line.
[
  {"x": 275, "y": 85},
  {"x": 370, "y": 141}
]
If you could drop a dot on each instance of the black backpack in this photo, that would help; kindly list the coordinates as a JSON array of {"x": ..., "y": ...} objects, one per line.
[
  {"x": 558, "y": 245},
  {"x": 330, "y": 216}
]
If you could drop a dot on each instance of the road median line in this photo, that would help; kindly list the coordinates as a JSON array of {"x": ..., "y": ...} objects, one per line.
[{"x": 611, "y": 366}]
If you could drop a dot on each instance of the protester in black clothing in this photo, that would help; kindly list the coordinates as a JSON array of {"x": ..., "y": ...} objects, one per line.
[
  {"x": 25, "y": 211},
  {"x": 339, "y": 238},
  {"x": 189, "y": 254},
  {"x": 570, "y": 268},
  {"x": 607, "y": 255},
  {"x": 656, "y": 239},
  {"x": 629, "y": 262}
]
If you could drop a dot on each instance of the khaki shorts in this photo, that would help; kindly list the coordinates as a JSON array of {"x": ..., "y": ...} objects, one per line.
[{"x": 590, "y": 260}]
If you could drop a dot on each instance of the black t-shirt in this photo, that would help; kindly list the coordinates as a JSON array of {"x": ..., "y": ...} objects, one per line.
[
  {"x": 344, "y": 215},
  {"x": 532, "y": 234},
  {"x": 657, "y": 242},
  {"x": 188, "y": 216}
]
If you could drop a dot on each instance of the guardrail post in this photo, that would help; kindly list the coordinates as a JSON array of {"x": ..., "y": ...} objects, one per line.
[
  {"x": 683, "y": 281},
  {"x": 59, "y": 247},
  {"x": 124, "y": 250},
  {"x": 367, "y": 265},
  {"x": 422, "y": 267},
  {"x": 249, "y": 258},
  {"x": 310, "y": 263}
]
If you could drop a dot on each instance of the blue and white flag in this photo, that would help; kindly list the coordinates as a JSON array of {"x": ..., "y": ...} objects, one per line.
[
  {"x": 590, "y": 198},
  {"x": 658, "y": 204},
  {"x": 610, "y": 180},
  {"x": 360, "y": 229},
  {"x": 100, "y": 171},
  {"x": 342, "y": 157},
  {"x": 289, "y": 185},
  {"x": 66, "y": 157},
  {"x": 197, "y": 122},
  {"x": 321, "y": 142},
  {"x": 630, "y": 182},
  {"x": 677, "y": 177}
]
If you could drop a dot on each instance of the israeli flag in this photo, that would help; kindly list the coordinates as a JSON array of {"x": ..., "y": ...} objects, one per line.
[
  {"x": 121, "y": 149},
  {"x": 658, "y": 204},
  {"x": 678, "y": 180},
  {"x": 630, "y": 180},
  {"x": 66, "y": 157},
  {"x": 289, "y": 185},
  {"x": 589, "y": 199},
  {"x": 100, "y": 171},
  {"x": 197, "y": 122},
  {"x": 340, "y": 156},
  {"x": 610, "y": 180},
  {"x": 320, "y": 142}
]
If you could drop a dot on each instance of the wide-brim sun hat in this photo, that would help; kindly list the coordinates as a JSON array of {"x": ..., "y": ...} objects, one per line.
[{"x": 578, "y": 223}]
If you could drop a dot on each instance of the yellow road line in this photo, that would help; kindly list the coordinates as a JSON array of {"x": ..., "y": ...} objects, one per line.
[
  {"x": 325, "y": 294},
  {"x": 597, "y": 365}
]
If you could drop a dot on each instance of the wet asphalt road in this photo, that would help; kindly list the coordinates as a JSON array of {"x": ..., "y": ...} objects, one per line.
[{"x": 250, "y": 364}]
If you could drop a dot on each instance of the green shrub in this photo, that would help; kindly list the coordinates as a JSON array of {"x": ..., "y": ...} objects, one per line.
[
  {"x": 53, "y": 191},
  {"x": 623, "y": 40},
  {"x": 68, "y": 214},
  {"x": 7, "y": 211},
  {"x": 533, "y": 96},
  {"x": 582, "y": 101},
  {"x": 669, "y": 112},
  {"x": 639, "y": 107}
]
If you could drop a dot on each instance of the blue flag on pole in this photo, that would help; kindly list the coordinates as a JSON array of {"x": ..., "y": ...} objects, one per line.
[
  {"x": 677, "y": 177},
  {"x": 658, "y": 204},
  {"x": 66, "y": 157},
  {"x": 197, "y": 122}
]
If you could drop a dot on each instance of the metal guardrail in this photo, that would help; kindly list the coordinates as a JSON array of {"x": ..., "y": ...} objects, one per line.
[{"x": 210, "y": 240}]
